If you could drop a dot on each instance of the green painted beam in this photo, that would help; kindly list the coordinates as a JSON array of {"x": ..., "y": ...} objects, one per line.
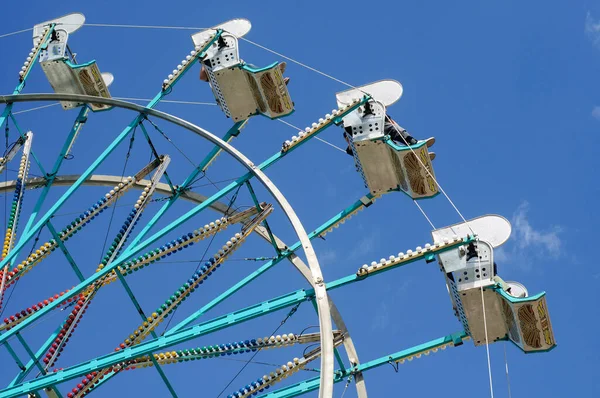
[
  {"x": 63, "y": 248},
  {"x": 156, "y": 155},
  {"x": 233, "y": 131},
  {"x": 23, "y": 80},
  {"x": 307, "y": 386},
  {"x": 77, "y": 125},
  {"x": 32, "y": 356},
  {"x": 268, "y": 265},
  {"x": 143, "y": 316},
  {"x": 25, "y": 371},
  {"x": 13, "y": 354},
  {"x": 228, "y": 138},
  {"x": 32, "y": 152},
  {"x": 265, "y": 223},
  {"x": 30, "y": 353}
]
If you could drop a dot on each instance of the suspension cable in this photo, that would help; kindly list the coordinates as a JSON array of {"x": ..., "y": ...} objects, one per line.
[
  {"x": 424, "y": 214},
  {"x": 507, "y": 375},
  {"x": 15, "y": 33},
  {"x": 318, "y": 138}
]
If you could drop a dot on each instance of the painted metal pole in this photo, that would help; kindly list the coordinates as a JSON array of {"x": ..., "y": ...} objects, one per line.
[
  {"x": 35, "y": 158},
  {"x": 265, "y": 223},
  {"x": 307, "y": 386},
  {"x": 330, "y": 285},
  {"x": 14, "y": 355},
  {"x": 25, "y": 371},
  {"x": 265, "y": 267},
  {"x": 79, "y": 121},
  {"x": 32, "y": 356},
  {"x": 23, "y": 78},
  {"x": 63, "y": 248},
  {"x": 81, "y": 117},
  {"x": 138, "y": 307},
  {"x": 233, "y": 132}
]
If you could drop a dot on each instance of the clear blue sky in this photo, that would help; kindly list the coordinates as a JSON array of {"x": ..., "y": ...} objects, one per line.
[{"x": 510, "y": 91}]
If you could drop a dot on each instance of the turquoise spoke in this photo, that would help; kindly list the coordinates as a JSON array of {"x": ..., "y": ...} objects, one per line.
[
  {"x": 39, "y": 164},
  {"x": 306, "y": 386},
  {"x": 63, "y": 248}
]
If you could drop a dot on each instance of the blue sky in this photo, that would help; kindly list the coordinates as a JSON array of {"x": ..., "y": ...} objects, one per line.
[{"x": 509, "y": 89}]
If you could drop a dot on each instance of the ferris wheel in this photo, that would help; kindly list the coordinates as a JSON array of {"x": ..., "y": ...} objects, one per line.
[{"x": 165, "y": 216}]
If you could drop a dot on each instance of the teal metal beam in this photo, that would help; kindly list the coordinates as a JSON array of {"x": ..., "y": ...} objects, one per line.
[
  {"x": 32, "y": 356},
  {"x": 156, "y": 155},
  {"x": 306, "y": 386},
  {"x": 265, "y": 223},
  {"x": 23, "y": 79},
  {"x": 30, "y": 353},
  {"x": 265, "y": 267},
  {"x": 25, "y": 371},
  {"x": 162, "y": 374},
  {"x": 63, "y": 248},
  {"x": 233, "y": 132},
  {"x": 79, "y": 121},
  {"x": 13, "y": 354},
  {"x": 132, "y": 297},
  {"x": 212, "y": 155},
  {"x": 140, "y": 311},
  {"x": 35, "y": 158}
]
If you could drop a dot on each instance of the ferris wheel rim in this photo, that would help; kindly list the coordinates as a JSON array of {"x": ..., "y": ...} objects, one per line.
[{"x": 321, "y": 297}]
